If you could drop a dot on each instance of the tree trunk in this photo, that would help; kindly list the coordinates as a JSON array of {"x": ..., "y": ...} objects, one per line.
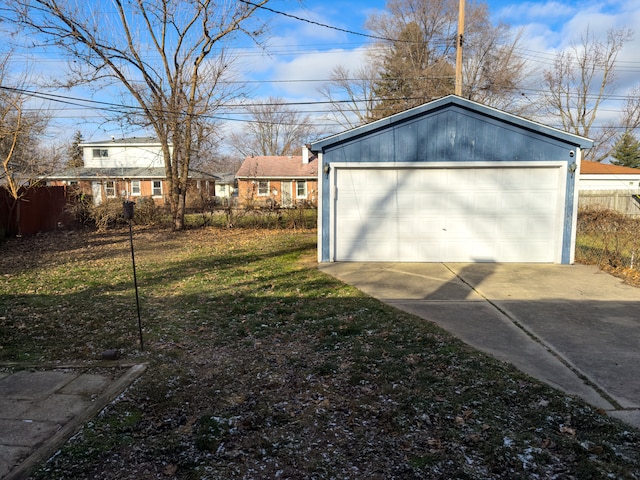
[{"x": 178, "y": 216}]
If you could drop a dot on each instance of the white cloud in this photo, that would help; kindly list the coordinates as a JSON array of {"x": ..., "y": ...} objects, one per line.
[
  {"x": 313, "y": 68},
  {"x": 526, "y": 12}
]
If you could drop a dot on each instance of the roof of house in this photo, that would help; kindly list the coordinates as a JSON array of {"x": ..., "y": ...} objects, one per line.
[
  {"x": 123, "y": 141},
  {"x": 597, "y": 168},
  {"x": 84, "y": 173},
  {"x": 226, "y": 178},
  {"x": 278, "y": 167}
]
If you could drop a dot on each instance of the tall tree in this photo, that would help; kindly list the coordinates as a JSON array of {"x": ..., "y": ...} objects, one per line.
[
  {"x": 631, "y": 110},
  {"x": 358, "y": 86},
  {"x": 167, "y": 55},
  {"x": 273, "y": 129},
  {"x": 493, "y": 70},
  {"x": 412, "y": 73},
  {"x": 20, "y": 131},
  {"x": 414, "y": 58},
  {"x": 580, "y": 79},
  {"x": 626, "y": 151},
  {"x": 74, "y": 153}
]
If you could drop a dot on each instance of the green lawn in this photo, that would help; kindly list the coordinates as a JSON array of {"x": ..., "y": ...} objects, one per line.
[{"x": 260, "y": 366}]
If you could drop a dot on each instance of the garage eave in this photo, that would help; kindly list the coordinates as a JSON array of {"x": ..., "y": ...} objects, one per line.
[{"x": 447, "y": 102}]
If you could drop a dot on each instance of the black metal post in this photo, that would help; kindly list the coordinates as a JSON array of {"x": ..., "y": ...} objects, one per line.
[{"x": 128, "y": 214}]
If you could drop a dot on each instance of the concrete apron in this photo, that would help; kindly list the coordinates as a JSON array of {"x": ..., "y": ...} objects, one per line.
[{"x": 572, "y": 326}]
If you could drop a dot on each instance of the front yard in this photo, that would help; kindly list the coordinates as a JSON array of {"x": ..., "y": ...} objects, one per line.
[{"x": 260, "y": 366}]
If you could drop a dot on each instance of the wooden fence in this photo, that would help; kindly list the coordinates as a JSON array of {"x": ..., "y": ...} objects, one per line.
[
  {"x": 621, "y": 202},
  {"x": 39, "y": 209}
]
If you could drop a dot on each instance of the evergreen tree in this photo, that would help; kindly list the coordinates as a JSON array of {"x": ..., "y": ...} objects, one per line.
[
  {"x": 626, "y": 151},
  {"x": 75, "y": 152},
  {"x": 412, "y": 74}
]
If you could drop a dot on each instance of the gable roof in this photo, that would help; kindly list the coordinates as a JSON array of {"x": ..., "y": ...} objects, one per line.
[
  {"x": 597, "y": 168},
  {"x": 130, "y": 141},
  {"x": 462, "y": 104},
  {"x": 147, "y": 173},
  {"x": 226, "y": 178},
  {"x": 278, "y": 167}
]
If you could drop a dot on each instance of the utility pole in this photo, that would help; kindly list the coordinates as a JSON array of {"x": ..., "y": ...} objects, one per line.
[{"x": 458, "y": 86}]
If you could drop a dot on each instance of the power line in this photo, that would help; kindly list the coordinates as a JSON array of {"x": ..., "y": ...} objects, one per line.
[
  {"x": 313, "y": 22},
  {"x": 119, "y": 107}
]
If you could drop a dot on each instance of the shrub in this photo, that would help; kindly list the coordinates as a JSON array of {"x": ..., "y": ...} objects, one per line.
[
  {"x": 607, "y": 238},
  {"x": 147, "y": 212},
  {"x": 108, "y": 214}
]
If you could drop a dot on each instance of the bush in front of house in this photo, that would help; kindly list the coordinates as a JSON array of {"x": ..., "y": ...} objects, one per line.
[{"x": 110, "y": 212}]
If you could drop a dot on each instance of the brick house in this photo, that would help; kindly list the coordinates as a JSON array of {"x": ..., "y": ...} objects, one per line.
[{"x": 278, "y": 181}]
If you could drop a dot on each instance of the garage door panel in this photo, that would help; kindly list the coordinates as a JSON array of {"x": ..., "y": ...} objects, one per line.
[
  {"x": 425, "y": 200},
  {"x": 539, "y": 226},
  {"x": 422, "y": 227},
  {"x": 447, "y": 214}
]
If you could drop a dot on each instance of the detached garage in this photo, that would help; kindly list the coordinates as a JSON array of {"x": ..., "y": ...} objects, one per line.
[{"x": 449, "y": 181}]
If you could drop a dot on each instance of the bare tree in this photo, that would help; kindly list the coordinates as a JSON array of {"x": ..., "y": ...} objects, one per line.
[
  {"x": 415, "y": 63},
  {"x": 167, "y": 55},
  {"x": 351, "y": 94},
  {"x": 631, "y": 110},
  {"x": 20, "y": 132},
  {"x": 579, "y": 81},
  {"x": 493, "y": 71},
  {"x": 273, "y": 129}
]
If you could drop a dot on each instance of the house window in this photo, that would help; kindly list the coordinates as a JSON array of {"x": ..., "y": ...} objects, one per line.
[
  {"x": 263, "y": 188},
  {"x": 100, "y": 153},
  {"x": 156, "y": 190},
  {"x": 135, "y": 187},
  {"x": 301, "y": 189},
  {"x": 110, "y": 188}
]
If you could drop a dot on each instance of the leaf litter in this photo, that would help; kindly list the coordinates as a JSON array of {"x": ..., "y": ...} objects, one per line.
[{"x": 260, "y": 366}]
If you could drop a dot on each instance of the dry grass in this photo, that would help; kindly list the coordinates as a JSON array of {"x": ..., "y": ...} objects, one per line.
[
  {"x": 609, "y": 240},
  {"x": 260, "y": 366}
]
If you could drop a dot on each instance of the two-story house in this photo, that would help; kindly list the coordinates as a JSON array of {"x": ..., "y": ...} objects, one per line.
[{"x": 125, "y": 168}]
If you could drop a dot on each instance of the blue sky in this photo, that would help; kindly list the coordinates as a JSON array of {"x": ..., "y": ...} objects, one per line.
[
  {"x": 302, "y": 54},
  {"x": 549, "y": 26}
]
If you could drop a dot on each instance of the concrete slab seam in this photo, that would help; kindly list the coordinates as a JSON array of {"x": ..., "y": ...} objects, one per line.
[
  {"x": 581, "y": 375},
  {"x": 67, "y": 431}
]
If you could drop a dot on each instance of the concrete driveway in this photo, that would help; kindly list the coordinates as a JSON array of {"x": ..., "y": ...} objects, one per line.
[{"x": 573, "y": 327}]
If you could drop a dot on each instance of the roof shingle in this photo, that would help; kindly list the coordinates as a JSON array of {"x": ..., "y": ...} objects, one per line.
[
  {"x": 597, "y": 168},
  {"x": 278, "y": 167}
]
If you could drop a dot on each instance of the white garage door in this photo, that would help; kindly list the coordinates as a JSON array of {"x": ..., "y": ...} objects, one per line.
[{"x": 511, "y": 214}]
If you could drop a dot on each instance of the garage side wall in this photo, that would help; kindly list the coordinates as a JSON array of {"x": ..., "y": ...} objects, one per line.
[{"x": 452, "y": 134}]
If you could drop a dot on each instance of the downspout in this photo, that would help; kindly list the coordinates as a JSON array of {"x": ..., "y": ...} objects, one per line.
[
  {"x": 574, "y": 214},
  {"x": 320, "y": 208}
]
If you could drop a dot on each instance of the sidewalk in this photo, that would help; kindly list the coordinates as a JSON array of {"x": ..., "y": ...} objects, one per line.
[{"x": 41, "y": 409}]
